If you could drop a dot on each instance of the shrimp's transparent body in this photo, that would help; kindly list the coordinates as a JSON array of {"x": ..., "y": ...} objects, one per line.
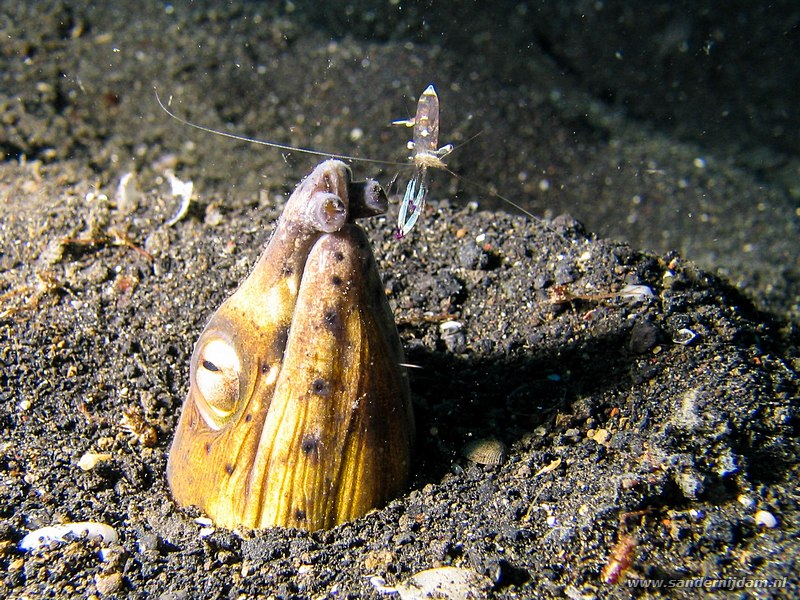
[{"x": 425, "y": 154}]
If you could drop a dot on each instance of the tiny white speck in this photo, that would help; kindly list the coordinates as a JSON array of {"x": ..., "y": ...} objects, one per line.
[{"x": 356, "y": 133}]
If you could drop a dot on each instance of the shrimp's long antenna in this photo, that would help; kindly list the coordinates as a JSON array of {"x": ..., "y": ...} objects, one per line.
[
  {"x": 276, "y": 145},
  {"x": 490, "y": 192}
]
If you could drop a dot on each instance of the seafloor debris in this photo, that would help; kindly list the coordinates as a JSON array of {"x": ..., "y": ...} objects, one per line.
[{"x": 44, "y": 536}]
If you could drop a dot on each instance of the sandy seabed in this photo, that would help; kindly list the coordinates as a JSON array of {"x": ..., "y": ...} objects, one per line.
[{"x": 650, "y": 436}]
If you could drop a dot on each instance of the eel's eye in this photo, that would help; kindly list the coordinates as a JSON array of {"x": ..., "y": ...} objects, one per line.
[{"x": 217, "y": 380}]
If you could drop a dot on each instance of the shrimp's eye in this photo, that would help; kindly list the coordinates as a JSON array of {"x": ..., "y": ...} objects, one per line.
[{"x": 216, "y": 379}]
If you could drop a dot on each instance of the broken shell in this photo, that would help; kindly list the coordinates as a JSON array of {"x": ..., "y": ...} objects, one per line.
[
  {"x": 766, "y": 519},
  {"x": 89, "y": 461},
  {"x": 444, "y": 582},
  {"x": 453, "y": 336},
  {"x": 487, "y": 451},
  {"x": 451, "y": 327},
  {"x": 58, "y": 533},
  {"x": 684, "y": 336},
  {"x": 638, "y": 293},
  {"x": 128, "y": 193}
]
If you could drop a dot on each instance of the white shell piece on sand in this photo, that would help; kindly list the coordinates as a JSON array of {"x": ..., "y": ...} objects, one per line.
[
  {"x": 44, "y": 536},
  {"x": 486, "y": 451},
  {"x": 452, "y": 583},
  {"x": 128, "y": 193}
]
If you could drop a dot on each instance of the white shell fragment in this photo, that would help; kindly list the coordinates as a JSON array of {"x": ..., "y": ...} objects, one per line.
[
  {"x": 766, "y": 519},
  {"x": 452, "y": 583},
  {"x": 182, "y": 190},
  {"x": 89, "y": 461},
  {"x": 57, "y": 533},
  {"x": 684, "y": 336},
  {"x": 487, "y": 451},
  {"x": 128, "y": 194},
  {"x": 453, "y": 336},
  {"x": 451, "y": 327},
  {"x": 637, "y": 293}
]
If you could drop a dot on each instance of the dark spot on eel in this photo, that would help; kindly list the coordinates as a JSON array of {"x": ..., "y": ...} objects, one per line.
[
  {"x": 332, "y": 320},
  {"x": 309, "y": 444},
  {"x": 264, "y": 368},
  {"x": 229, "y": 469},
  {"x": 321, "y": 387},
  {"x": 248, "y": 417},
  {"x": 208, "y": 448},
  {"x": 299, "y": 514},
  {"x": 336, "y": 280},
  {"x": 207, "y": 364},
  {"x": 339, "y": 256},
  {"x": 287, "y": 271}
]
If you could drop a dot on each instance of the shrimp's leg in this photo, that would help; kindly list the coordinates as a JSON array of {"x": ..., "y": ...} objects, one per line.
[{"x": 413, "y": 201}]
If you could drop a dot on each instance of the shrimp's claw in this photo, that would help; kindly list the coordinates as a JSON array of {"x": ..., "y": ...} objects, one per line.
[
  {"x": 413, "y": 201},
  {"x": 404, "y": 122}
]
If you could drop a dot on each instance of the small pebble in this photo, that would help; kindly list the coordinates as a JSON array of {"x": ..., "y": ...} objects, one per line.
[
  {"x": 766, "y": 519},
  {"x": 148, "y": 542},
  {"x": 453, "y": 336},
  {"x": 89, "y": 460},
  {"x": 747, "y": 502},
  {"x": 108, "y": 584},
  {"x": 601, "y": 436},
  {"x": 644, "y": 336}
]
